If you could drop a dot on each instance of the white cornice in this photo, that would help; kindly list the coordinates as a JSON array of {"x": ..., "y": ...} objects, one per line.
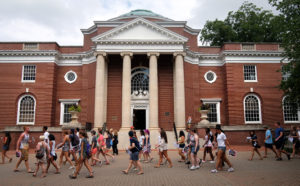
[{"x": 251, "y": 53}]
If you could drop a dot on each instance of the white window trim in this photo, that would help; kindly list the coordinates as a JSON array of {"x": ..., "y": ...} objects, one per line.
[
  {"x": 215, "y": 77},
  {"x": 18, "y": 114},
  {"x": 66, "y": 77},
  {"x": 217, "y": 102},
  {"x": 28, "y": 81},
  {"x": 259, "y": 107},
  {"x": 289, "y": 122},
  {"x": 250, "y": 81},
  {"x": 62, "y": 107}
]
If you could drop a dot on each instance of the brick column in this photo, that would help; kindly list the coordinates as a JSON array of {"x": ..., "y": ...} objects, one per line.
[
  {"x": 153, "y": 91},
  {"x": 179, "y": 90},
  {"x": 126, "y": 90},
  {"x": 99, "y": 112}
]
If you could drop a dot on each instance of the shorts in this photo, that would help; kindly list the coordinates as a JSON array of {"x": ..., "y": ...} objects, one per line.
[
  {"x": 269, "y": 145},
  {"x": 181, "y": 146},
  {"x": 279, "y": 144},
  {"x": 24, "y": 154},
  {"x": 134, "y": 156},
  {"x": 222, "y": 148},
  {"x": 5, "y": 148},
  {"x": 43, "y": 159},
  {"x": 75, "y": 148},
  {"x": 194, "y": 150},
  {"x": 147, "y": 149},
  {"x": 207, "y": 149}
]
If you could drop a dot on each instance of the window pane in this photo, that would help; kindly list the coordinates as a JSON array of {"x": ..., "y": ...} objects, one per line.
[
  {"x": 249, "y": 72},
  {"x": 29, "y": 72},
  {"x": 140, "y": 81},
  {"x": 288, "y": 113},
  {"x": 26, "y": 111},
  {"x": 252, "y": 108},
  {"x": 67, "y": 115},
  {"x": 213, "y": 115}
]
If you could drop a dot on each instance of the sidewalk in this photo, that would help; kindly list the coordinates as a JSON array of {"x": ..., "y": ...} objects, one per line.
[{"x": 256, "y": 172}]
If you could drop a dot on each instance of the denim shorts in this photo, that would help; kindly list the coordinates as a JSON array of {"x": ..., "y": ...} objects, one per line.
[
  {"x": 134, "y": 156},
  {"x": 194, "y": 150},
  {"x": 222, "y": 148}
]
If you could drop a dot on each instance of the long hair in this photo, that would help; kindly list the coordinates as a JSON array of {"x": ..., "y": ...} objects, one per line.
[
  {"x": 181, "y": 133},
  {"x": 163, "y": 135},
  {"x": 142, "y": 132},
  {"x": 7, "y": 134},
  {"x": 51, "y": 137}
]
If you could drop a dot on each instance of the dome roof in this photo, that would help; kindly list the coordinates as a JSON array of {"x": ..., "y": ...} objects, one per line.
[{"x": 141, "y": 13}]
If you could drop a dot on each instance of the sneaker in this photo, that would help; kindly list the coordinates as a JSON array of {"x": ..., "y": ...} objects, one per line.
[
  {"x": 230, "y": 169},
  {"x": 72, "y": 167},
  {"x": 188, "y": 162},
  {"x": 203, "y": 161},
  {"x": 100, "y": 163},
  {"x": 214, "y": 171},
  {"x": 197, "y": 167},
  {"x": 193, "y": 167},
  {"x": 212, "y": 162}
]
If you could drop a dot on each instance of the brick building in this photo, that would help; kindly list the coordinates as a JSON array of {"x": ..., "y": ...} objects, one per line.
[{"x": 145, "y": 70}]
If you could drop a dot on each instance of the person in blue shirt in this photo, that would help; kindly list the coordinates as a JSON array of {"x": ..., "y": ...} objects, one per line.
[
  {"x": 269, "y": 142},
  {"x": 279, "y": 141}
]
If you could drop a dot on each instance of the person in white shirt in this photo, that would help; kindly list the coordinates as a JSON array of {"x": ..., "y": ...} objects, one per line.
[
  {"x": 163, "y": 149},
  {"x": 208, "y": 145},
  {"x": 46, "y": 135},
  {"x": 221, "y": 155}
]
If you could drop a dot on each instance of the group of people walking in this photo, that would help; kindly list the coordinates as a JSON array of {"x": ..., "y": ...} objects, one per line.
[{"x": 78, "y": 151}]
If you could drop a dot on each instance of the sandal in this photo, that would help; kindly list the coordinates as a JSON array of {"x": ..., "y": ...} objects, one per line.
[
  {"x": 10, "y": 160},
  {"x": 30, "y": 171},
  {"x": 72, "y": 177},
  {"x": 57, "y": 172},
  {"x": 156, "y": 166},
  {"x": 125, "y": 172},
  {"x": 89, "y": 176},
  {"x": 140, "y": 173},
  {"x": 34, "y": 175},
  {"x": 16, "y": 170}
]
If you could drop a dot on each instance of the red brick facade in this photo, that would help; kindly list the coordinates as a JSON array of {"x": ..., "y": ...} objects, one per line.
[{"x": 50, "y": 85}]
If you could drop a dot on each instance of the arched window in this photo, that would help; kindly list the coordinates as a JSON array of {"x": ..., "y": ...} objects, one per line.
[
  {"x": 252, "y": 110},
  {"x": 140, "y": 80},
  {"x": 26, "y": 110},
  {"x": 290, "y": 115}
]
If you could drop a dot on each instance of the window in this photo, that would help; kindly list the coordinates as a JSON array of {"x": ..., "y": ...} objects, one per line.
[
  {"x": 252, "y": 110},
  {"x": 210, "y": 76},
  {"x": 289, "y": 115},
  {"x": 26, "y": 110},
  {"x": 250, "y": 73},
  {"x": 140, "y": 80},
  {"x": 65, "y": 104},
  {"x": 30, "y": 46},
  {"x": 70, "y": 77},
  {"x": 214, "y": 107},
  {"x": 28, "y": 73}
]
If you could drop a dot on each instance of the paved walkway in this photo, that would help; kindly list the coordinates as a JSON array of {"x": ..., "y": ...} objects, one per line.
[{"x": 256, "y": 172}]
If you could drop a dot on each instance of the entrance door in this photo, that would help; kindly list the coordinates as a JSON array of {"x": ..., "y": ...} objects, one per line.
[{"x": 139, "y": 119}]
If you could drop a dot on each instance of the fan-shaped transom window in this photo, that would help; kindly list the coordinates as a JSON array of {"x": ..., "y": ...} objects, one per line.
[
  {"x": 26, "y": 110},
  {"x": 140, "y": 80},
  {"x": 252, "y": 110}
]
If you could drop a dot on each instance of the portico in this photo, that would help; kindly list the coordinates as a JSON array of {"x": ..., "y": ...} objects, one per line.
[{"x": 139, "y": 37}]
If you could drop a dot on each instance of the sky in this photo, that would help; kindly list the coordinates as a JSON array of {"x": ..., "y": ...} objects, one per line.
[{"x": 61, "y": 20}]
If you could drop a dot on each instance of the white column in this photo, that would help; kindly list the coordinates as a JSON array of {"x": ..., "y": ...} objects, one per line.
[
  {"x": 126, "y": 90},
  {"x": 99, "y": 90},
  {"x": 105, "y": 90},
  {"x": 179, "y": 90},
  {"x": 153, "y": 91}
]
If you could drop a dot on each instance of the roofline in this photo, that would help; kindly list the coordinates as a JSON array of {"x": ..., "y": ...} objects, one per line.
[{"x": 38, "y": 42}]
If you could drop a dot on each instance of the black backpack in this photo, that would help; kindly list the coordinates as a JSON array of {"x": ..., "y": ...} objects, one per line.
[
  {"x": 74, "y": 140},
  {"x": 40, "y": 153}
]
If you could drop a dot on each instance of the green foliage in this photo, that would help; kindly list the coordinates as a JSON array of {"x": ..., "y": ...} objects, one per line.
[
  {"x": 75, "y": 107},
  {"x": 248, "y": 24},
  {"x": 204, "y": 107},
  {"x": 290, "y": 14}
]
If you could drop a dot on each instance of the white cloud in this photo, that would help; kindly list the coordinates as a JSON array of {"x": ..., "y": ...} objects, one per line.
[{"x": 61, "y": 20}]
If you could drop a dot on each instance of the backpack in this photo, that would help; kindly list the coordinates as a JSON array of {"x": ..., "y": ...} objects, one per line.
[
  {"x": 88, "y": 150},
  {"x": 137, "y": 144},
  {"x": 40, "y": 153},
  {"x": 211, "y": 138},
  {"x": 74, "y": 140}
]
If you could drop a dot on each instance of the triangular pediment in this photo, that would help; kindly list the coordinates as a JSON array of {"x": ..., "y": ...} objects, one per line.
[{"x": 140, "y": 30}]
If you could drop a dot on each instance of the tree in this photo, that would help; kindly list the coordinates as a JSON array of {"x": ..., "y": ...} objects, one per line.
[
  {"x": 290, "y": 14},
  {"x": 248, "y": 24}
]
